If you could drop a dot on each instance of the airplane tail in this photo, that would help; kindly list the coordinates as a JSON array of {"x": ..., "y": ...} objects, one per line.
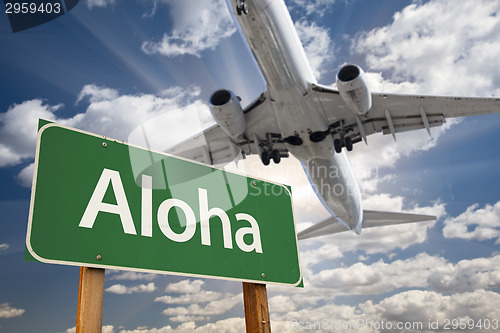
[{"x": 371, "y": 219}]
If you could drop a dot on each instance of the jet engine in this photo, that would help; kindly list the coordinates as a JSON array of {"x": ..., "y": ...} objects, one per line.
[
  {"x": 353, "y": 90},
  {"x": 227, "y": 112}
]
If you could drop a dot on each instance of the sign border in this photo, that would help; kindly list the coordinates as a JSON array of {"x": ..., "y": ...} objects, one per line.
[{"x": 73, "y": 263}]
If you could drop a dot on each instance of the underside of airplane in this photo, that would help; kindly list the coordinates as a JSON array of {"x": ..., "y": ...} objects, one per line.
[{"x": 315, "y": 123}]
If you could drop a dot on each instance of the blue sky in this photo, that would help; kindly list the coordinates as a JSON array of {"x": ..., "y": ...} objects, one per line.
[{"x": 109, "y": 65}]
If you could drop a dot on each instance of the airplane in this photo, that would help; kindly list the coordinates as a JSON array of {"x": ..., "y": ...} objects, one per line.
[{"x": 313, "y": 122}]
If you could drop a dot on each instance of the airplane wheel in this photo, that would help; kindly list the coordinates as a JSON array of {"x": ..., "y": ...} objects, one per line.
[
  {"x": 265, "y": 158},
  {"x": 276, "y": 156},
  {"x": 242, "y": 9},
  {"x": 348, "y": 144},
  {"x": 338, "y": 146}
]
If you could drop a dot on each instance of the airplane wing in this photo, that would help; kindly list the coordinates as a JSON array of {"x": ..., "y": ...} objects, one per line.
[
  {"x": 214, "y": 146},
  {"x": 389, "y": 114},
  {"x": 394, "y": 113},
  {"x": 371, "y": 219}
]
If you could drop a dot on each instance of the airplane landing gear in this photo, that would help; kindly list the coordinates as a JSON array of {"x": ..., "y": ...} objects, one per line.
[
  {"x": 266, "y": 157},
  {"x": 276, "y": 155},
  {"x": 348, "y": 143},
  {"x": 268, "y": 151},
  {"x": 242, "y": 8},
  {"x": 338, "y": 144},
  {"x": 341, "y": 138}
]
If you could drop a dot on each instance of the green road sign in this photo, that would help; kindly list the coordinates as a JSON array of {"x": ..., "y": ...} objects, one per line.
[{"x": 99, "y": 202}]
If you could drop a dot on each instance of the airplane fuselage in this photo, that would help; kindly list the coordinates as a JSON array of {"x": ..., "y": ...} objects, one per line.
[{"x": 271, "y": 35}]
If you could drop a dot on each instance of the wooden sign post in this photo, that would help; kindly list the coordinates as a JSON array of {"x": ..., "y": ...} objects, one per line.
[
  {"x": 90, "y": 298},
  {"x": 256, "y": 308}
]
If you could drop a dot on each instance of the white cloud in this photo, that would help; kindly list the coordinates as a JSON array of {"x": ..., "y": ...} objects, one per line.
[
  {"x": 436, "y": 289},
  {"x": 185, "y": 319},
  {"x": 108, "y": 329},
  {"x": 377, "y": 83},
  {"x": 383, "y": 152},
  {"x": 99, "y": 3},
  {"x": 201, "y": 296},
  {"x": 18, "y": 130},
  {"x": 6, "y": 311},
  {"x": 325, "y": 253},
  {"x": 363, "y": 279},
  {"x": 466, "y": 275},
  {"x": 116, "y": 116},
  {"x": 475, "y": 224},
  {"x": 438, "y": 46},
  {"x": 185, "y": 287},
  {"x": 423, "y": 272},
  {"x": 192, "y": 293},
  {"x": 309, "y": 7},
  {"x": 389, "y": 238},
  {"x": 229, "y": 325},
  {"x": 152, "y": 11},
  {"x": 216, "y": 307},
  {"x": 122, "y": 290},
  {"x": 320, "y": 316},
  {"x": 422, "y": 306},
  {"x": 130, "y": 276},
  {"x": 96, "y": 94},
  {"x": 193, "y": 34},
  {"x": 375, "y": 240},
  {"x": 466, "y": 280},
  {"x": 281, "y": 303},
  {"x": 383, "y": 201},
  {"x": 317, "y": 44},
  {"x": 4, "y": 247},
  {"x": 413, "y": 306},
  {"x": 105, "y": 329},
  {"x": 108, "y": 113},
  {"x": 25, "y": 177}
]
